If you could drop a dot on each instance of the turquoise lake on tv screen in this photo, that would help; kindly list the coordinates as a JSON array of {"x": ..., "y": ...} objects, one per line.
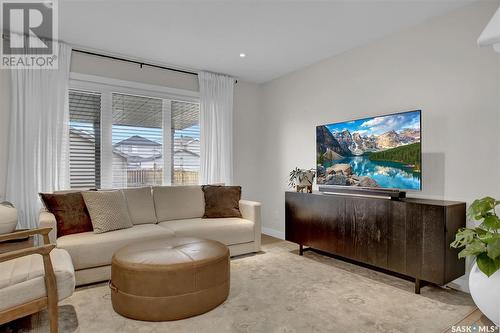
[{"x": 387, "y": 174}]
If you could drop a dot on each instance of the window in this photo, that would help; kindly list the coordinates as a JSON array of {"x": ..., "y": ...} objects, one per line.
[
  {"x": 85, "y": 143},
  {"x": 122, "y": 138},
  {"x": 186, "y": 134},
  {"x": 137, "y": 135}
]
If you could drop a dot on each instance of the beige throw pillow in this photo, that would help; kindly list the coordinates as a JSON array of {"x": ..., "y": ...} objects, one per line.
[{"x": 108, "y": 210}]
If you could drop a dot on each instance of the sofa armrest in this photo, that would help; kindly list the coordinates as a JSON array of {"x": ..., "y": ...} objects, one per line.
[
  {"x": 251, "y": 210},
  {"x": 47, "y": 220}
]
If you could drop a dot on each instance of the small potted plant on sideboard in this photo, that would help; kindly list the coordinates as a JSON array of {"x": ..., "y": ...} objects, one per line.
[
  {"x": 302, "y": 179},
  {"x": 483, "y": 244}
]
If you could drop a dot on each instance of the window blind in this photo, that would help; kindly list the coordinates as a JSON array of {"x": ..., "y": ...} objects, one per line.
[
  {"x": 85, "y": 121},
  {"x": 137, "y": 136},
  {"x": 186, "y": 142}
]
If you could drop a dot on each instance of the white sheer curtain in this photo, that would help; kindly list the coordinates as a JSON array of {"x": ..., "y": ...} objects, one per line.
[
  {"x": 216, "y": 128},
  {"x": 38, "y": 136}
]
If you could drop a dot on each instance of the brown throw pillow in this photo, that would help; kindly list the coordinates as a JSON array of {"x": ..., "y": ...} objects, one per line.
[
  {"x": 222, "y": 201},
  {"x": 70, "y": 211}
]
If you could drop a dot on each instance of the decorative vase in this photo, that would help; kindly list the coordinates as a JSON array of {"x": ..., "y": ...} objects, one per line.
[
  {"x": 485, "y": 292},
  {"x": 308, "y": 179},
  {"x": 8, "y": 218}
]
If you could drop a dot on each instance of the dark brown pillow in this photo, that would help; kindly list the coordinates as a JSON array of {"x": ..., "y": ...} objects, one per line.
[
  {"x": 70, "y": 211},
  {"x": 222, "y": 201}
]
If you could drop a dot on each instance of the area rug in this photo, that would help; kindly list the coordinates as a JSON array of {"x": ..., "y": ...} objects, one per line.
[{"x": 280, "y": 291}]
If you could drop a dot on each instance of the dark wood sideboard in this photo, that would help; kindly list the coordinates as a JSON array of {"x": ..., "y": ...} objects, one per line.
[{"x": 409, "y": 237}]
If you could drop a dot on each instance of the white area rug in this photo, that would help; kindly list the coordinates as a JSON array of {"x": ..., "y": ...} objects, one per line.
[{"x": 279, "y": 291}]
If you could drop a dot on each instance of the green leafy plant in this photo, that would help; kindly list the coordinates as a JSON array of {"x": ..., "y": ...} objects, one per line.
[
  {"x": 482, "y": 242},
  {"x": 297, "y": 175}
]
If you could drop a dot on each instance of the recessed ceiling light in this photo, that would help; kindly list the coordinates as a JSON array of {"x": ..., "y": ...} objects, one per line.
[{"x": 242, "y": 55}]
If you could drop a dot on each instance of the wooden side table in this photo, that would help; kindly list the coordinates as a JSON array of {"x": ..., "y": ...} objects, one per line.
[{"x": 17, "y": 244}]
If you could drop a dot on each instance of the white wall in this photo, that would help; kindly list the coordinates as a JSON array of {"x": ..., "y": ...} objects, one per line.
[
  {"x": 436, "y": 67},
  {"x": 4, "y": 126},
  {"x": 246, "y": 147}
]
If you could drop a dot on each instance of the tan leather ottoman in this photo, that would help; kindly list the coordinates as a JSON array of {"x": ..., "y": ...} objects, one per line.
[{"x": 169, "y": 279}]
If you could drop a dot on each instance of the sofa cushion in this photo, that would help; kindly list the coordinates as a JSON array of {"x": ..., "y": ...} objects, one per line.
[
  {"x": 108, "y": 210},
  {"x": 70, "y": 212},
  {"x": 222, "y": 201},
  {"x": 140, "y": 205},
  {"x": 229, "y": 231},
  {"x": 91, "y": 250},
  {"x": 22, "y": 279},
  {"x": 178, "y": 202}
]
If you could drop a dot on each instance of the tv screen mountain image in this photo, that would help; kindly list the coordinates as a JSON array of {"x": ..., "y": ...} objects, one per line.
[{"x": 383, "y": 152}]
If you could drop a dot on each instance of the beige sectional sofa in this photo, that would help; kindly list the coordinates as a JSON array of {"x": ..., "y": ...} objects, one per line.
[{"x": 163, "y": 211}]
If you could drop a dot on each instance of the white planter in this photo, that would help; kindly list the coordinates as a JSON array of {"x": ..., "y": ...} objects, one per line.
[
  {"x": 485, "y": 292},
  {"x": 8, "y": 219}
]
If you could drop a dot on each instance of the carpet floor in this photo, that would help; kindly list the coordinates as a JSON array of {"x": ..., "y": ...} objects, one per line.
[{"x": 279, "y": 291}]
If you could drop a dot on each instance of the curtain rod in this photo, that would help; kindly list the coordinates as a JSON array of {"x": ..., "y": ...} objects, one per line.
[
  {"x": 138, "y": 62},
  {"x": 135, "y": 62}
]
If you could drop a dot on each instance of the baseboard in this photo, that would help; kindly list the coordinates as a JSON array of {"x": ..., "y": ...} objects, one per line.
[{"x": 273, "y": 232}]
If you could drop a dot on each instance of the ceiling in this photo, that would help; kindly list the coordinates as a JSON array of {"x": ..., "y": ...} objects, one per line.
[{"x": 278, "y": 37}]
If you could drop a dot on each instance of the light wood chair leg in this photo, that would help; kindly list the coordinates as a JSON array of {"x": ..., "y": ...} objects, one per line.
[
  {"x": 53, "y": 318},
  {"x": 52, "y": 297}
]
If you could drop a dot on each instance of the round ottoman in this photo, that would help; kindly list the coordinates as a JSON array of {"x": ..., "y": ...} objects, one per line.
[{"x": 169, "y": 279}]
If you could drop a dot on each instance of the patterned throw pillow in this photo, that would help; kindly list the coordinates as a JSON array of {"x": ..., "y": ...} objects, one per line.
[
  {"x": 108, "y": 210},
  {"x": 222, "y": 201},
  {"x": 71, "y": 214}
]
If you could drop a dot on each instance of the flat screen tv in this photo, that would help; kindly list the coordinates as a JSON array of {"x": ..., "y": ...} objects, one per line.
[{"x": 379, "y": 152}]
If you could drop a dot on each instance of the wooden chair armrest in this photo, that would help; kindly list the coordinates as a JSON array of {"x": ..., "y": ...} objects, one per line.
[
  {"x": 26, "y": 233},
  {"x": 43, "y": 250},
  {"x": 49, "y": 277}
]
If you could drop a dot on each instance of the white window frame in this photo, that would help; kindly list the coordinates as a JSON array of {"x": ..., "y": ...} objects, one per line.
[{"x": 106, "y": 87}]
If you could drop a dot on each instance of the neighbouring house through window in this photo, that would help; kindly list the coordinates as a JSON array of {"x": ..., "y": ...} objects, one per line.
[{"x": 122, "y": 139}]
